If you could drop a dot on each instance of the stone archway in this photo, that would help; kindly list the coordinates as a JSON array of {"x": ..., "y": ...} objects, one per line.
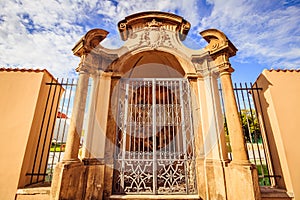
[{"x": 155, "y": 37}]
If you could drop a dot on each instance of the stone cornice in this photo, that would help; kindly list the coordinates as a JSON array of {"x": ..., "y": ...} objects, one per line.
[
  {"x": 220, "y": 49},
  {"x": 218, "y": 42},
  {"x": 89, "y": 41}
]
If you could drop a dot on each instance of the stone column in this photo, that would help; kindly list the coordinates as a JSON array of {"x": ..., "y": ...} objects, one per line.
[
  {"x": 68, "y": 177},
  {"x": 241, "y": 179},
  {"x": 75, "y": 128},
  {"x": 242, "y": 175},
  {"x": 236, "y": 135}
]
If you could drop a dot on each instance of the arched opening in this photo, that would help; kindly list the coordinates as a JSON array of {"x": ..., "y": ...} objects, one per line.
[{"x": 150, "y": 64}]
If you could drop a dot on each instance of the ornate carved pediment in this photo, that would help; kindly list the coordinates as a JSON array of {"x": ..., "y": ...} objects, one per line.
[
  {"x": 153, "y": 19},
  {"x": 155, "y": 35}
]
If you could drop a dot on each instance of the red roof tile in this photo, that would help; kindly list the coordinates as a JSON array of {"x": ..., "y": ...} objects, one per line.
[
  {"x": 62, "y": 115},
  {"x": 3, "y": 69},
  {"x": 284, "y": 70}
]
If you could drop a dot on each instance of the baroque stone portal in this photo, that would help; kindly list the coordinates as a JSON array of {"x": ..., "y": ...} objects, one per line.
[{"x": 155, "y": 124}]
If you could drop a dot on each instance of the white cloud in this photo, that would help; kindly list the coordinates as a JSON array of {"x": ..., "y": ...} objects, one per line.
[
  {"x": 264, "y": 31},
  {"x": 41, "y": 34}
]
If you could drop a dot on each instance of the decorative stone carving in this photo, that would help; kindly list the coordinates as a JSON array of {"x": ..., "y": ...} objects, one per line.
[
  {"x": 169, "y": 21},
  {"x": 155, "y": 35},
  {"x": 218, "y": 42},
  {"x": 214, "y": 44},
  {"x": 89, "y": 41},
  {"x": 204, "y": 65}
]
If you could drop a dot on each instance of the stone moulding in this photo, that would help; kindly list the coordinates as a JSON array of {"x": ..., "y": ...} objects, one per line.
[{"x": 89, "y": 41}]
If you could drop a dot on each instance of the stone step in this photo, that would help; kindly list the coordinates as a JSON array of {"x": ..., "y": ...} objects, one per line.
[
  {"x": 37, "y": 193},
  {"x": 269, "y": 193},
  {"x": 139, "y": 197}
]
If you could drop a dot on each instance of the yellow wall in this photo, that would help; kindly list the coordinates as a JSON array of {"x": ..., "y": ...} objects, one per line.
[
  {"x": 280, "y": 99},
  {"x": 22, "y": 104}
]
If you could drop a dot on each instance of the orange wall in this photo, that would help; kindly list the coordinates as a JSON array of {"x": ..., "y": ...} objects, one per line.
[
  {"x": 281, "y": 111},
  {"x": 22, "y": 103}
]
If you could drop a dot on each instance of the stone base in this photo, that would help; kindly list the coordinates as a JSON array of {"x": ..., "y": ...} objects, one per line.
[
  {"x": 94, "y": 179},
  {"x": 170, "y": 197},
  {"x": 270, "y": 193},
  {"x": 36, "y": 193},
  {"x": 222, "y": 180},
  {"x": 211, "y": 179},
  {"x": 215, "y": 176},
  {"x": 68, "y": 181},
  {"x": 78, "y": 180},
  {"x": 242, "y": 182}
]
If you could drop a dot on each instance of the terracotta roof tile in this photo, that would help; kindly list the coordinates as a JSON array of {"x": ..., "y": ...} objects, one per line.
[
  {"x": 284, "y": 70},
  {"x": 61, "y": 115},
  {"x": 3, "y": 69},
  {"x": 22, "y": 70}
]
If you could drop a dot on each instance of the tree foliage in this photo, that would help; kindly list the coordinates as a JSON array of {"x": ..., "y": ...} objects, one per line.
[{"x": 250, "y": 126}]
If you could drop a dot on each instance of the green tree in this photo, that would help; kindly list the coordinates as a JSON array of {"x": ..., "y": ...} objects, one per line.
[{"x": 250, "y": 126}]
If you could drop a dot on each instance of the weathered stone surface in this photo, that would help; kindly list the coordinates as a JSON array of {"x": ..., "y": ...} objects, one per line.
[
  {"x": 36, "y": 193},
  {"x": 242, "y": 182},
  {"x": 70, "y": 181},
  {"x": 94, "y": 182},
  {"x": 170, "y": 197}
]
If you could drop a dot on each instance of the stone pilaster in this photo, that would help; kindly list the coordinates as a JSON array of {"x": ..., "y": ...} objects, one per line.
[
  {"x": 75, "y": 128},
  {"x": 110, "y": 140},
  {"x": 88, "y": 136},
  {"x": 95, "y": 136}
]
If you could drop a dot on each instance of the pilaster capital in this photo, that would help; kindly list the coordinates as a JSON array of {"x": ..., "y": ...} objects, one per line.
[
  {"x": 106, "y": 74},
  {"x": 204, "y": 65},
  {"x": 85, "y": 67},
  {"x": 192, "y": 76},
  {"x": 225, "y": 68},
  {"x": 95, "y": 61}
]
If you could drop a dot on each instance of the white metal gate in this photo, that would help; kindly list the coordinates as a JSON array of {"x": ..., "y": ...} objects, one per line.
[{"x": 155, "y": 139}]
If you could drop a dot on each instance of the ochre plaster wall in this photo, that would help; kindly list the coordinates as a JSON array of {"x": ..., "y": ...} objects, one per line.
[
  {"x": 22, "y": 105},
  {"x": 280, "y": 97}
]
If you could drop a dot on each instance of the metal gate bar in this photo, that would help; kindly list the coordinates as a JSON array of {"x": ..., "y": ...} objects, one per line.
[
  {"x": 155, "y": 147},
  {"x": 257, "y": 148}
]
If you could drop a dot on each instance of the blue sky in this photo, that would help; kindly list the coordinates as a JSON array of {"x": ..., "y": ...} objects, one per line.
[{"x": 41, "y": 34}]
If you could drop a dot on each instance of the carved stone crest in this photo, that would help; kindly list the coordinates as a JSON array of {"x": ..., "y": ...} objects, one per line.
[{"x": 155, "y": 35}]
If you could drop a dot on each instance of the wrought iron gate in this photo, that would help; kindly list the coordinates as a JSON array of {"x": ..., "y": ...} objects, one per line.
[{"x": 155, "y": 140}]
